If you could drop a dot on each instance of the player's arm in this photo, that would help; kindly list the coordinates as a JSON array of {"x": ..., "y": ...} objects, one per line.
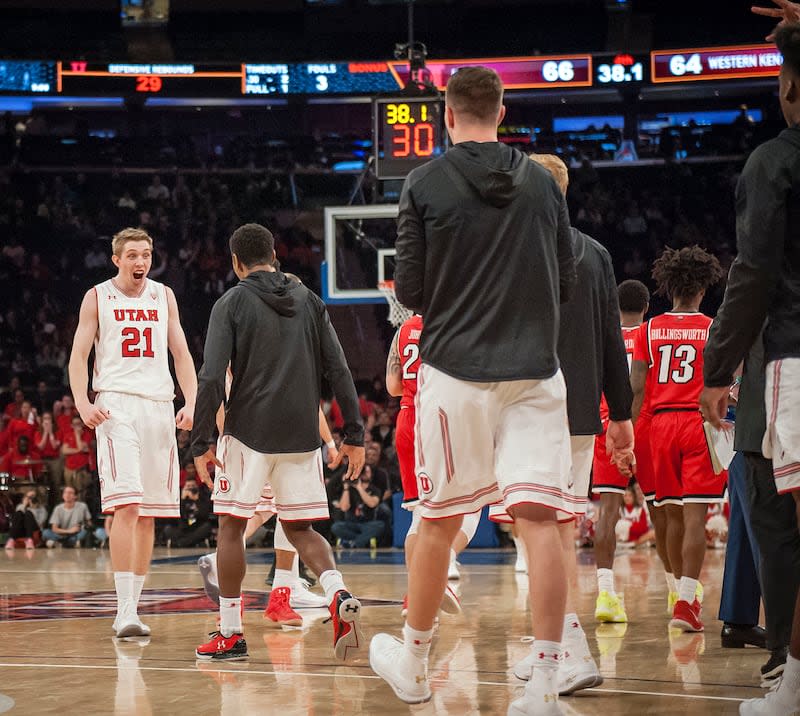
[
  {"x": 327, "y": 438},
  {"x": 394, "y": 372},
  {"x": 786, "y": 12},
  {"x": 410, "y": 268},
  {"x": 567, "y": 273},
  {"x": 638, "y": 379},
  {"x": 184, "y": 365},
  {"x": 79, "y": 358}
]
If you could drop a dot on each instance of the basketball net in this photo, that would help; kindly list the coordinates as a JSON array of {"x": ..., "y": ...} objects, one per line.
[{"x": 398, "y": 313}]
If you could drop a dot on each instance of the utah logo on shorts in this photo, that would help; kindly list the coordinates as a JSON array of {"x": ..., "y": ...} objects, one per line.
[
  {"x": 223, "y": 484},
  {"x": 425, "y": 483}
]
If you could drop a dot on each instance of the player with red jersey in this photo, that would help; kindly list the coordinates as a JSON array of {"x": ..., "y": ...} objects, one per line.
[
  {"x": 671, "y": 358},
  {"x": 607, "y": 480},
  {"x": 133, "y": 323},
  {"x": 401, "y": 381}
]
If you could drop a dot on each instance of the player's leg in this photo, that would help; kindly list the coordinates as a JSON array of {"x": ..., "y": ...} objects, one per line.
[
  {"x": 608, "y": 607},
  {"x": 144, "y": 539}
]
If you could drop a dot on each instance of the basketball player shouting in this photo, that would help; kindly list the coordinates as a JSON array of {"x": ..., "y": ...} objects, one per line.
[
  {"x": 671, "y": 358},
  {"x": 277, "y": 338},
  {"x": 402, "y": 367},
  {"x": 484, "y": 254},
  {"x": 764, "y": 283},
  {"x": 132, "y": 322}
]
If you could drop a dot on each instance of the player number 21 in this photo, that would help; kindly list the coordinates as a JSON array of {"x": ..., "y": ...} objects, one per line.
[
  {"x": 686, "y": 354},
  {"x": 411, "y": 354},
  {"x": 132, "y": 337}
]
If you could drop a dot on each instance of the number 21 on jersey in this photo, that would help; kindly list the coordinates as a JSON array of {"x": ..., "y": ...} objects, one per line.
[{"x": 132, "y": 342}]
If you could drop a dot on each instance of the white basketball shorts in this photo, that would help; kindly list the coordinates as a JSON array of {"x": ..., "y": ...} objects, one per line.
[
  {"x": 266, "y": 502},
  {"x": 296, "y": 481},
  {"x": 782, "y": 440},
  {"x": 483, "y": 443},
  {"x": 137, "y": 456}
]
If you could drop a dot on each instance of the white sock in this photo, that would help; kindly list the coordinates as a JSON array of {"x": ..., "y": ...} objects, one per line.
[
  {"x": 548, "y": 654},
  {"x": 672, "y": 585},
  {"x": 123, "y": 583},
  {"x": 520, "y": 547},
  {"x": 790, "y": 685},
  {"x": 453, "y": 556},
  {"x": 138, "y": 585},
  {"x": 572, "y": 625},
  {"x": 331, "y": 581},
  {"x": 605, "y": 581},
  {"x": 687, "y": 589},
  {"x": 282, "y": 578},
  {"x": 230, "y": 616},
  {"x": 417, "y": 643}
]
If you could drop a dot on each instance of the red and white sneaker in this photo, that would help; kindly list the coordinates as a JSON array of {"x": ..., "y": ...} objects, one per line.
[
  {"x": 29, "y": 543},
  {"x": 278, "y": 612},
  {"x": 346, "y": 617},
  {"x": 220, "y": 648},
  {"x": 686, "y": 617},
  {"x": 404, "y": 610}
]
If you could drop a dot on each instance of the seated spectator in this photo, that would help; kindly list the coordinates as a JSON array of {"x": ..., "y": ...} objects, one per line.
[
  {"x": 76, "y": 446},
  {"x": 194, "y": 527},
  {"x": 63, "y": 411},
  {"x": 25, "y": 424},
  {"x": 359, "y": 526},
  {"x": 12, "y": 409},
  {"x": 21, "y": 462},
  {"x": 48, "y": 445},
  {"x": 633, "y": 527},
  {"x": 27, "y": 521},
  {"x": 101, "y": 533},
  {"x": 69, "y": 521},
  {"x": 156, "y": 191}
]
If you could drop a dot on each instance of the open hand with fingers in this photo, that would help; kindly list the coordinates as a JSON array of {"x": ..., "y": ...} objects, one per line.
[
  {"x": 785, "y": 12},
  {"x": 356, "y": 456},
  {"x": 201, "y": 465}
]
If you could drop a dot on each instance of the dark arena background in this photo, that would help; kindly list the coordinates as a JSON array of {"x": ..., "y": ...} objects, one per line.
[{"x": 189, "y": 118}]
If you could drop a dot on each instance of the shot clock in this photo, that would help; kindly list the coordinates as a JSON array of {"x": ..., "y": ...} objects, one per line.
[
  {"x": 408, "y": 132},
  {"x": 620, "y": 69}
]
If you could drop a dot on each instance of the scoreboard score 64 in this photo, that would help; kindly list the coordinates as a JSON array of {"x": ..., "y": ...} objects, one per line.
[{"x": 408, "y": 132}]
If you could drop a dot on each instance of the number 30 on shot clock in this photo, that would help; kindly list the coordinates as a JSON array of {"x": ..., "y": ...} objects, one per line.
[{"x": 408, "y": 133}]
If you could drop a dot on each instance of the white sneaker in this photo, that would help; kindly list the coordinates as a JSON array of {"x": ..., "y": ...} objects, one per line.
[
  {"x": 452, "y": 570},
  {"x": 301, "y": 597},
  {"x": 208, "y": 571},
  {"x": 127, "y": 623},
  {"x": 451, "y": 604},
  {"x": 578, "y": 669},
  {"x": 523, "y": 669},
  {"x": 407, "y": 676},
  {"x": 540, "y": 697},
  {"x": 778, "y": 702},
  {"x": 50, "y": 544}
]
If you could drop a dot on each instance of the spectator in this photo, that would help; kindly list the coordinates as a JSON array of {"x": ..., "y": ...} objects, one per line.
[
  {"x": 25, "y": 424},
  {"x": 48, "y": 445},
  {"x": 101, "y": 533},
  {"x": 43, "y": 400},
  {"x": 194, "y": 527},
  {"x": 64, "y": 411},
  {"x": 21, "y": 462},
  {"x": 383, "y": 432},
  {"x": 69, "y": 521},
  {"x": 380, "y": 477},
  {"x": 76, "y": 445},
  {"x": 27, "y": 521},
  {"x": 359, "y": 526},
  {"x": 157, "y": 191},
  {"x": 12, "y": 409},
  {"x": 633, "y": 527}
]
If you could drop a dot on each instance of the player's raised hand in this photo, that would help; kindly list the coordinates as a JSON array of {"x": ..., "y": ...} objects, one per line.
[
  {"x": 714, "y": 405},
  {"x": 785, "y": 12},
  {"x": 91, "y": 415},
  {"x": 201, "y": 465},
  {"x": 356, "y": 456},
  {"x": 185, "y": 418}
]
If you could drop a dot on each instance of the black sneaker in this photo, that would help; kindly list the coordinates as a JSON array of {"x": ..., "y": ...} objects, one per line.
[
  {"x": 345, "y": 612},
  {"x": 773, "y": 669}
]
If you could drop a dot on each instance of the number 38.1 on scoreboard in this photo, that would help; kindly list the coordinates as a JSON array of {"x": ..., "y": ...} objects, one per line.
[{"x": 408, "y": 132}]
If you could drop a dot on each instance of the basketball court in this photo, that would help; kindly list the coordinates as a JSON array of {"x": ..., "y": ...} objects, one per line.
[{"x": 58, "y": 653}]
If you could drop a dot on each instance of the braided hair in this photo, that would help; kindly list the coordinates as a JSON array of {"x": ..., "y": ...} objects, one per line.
[{"x": 684, "y": 273}]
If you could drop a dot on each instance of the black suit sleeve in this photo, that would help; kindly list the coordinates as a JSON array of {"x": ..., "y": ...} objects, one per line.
[
  {"x": 616, "y": 373},
  {"x": 211, "y": 379},
  {"x": 567, "y": 273},
  {"x": 410, "y": 268},
  {"x": 761, "y": 215},
  {"x": 336, "y": 371}
]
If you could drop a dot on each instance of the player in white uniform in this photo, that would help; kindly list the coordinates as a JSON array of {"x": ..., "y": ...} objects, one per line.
[{"x": 132, "y": 322}]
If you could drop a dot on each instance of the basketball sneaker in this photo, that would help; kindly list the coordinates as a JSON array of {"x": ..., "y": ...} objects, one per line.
[
  {"x": 278, "y": 612},
  {"x": 127, "y": 622},
  {"x": 686, "y": 617},
  {"x": 610, "y": 608},
  {"x": 404, "y": 610},
  {"x": 407, "y": 675},
  {"x": 672, "y": 600},
  {"x": 302, "y": 597},
  {"x": 11, "y": 544},
  {"x": 540, "y": 697},
  {"x": 577, "y": 669},
  {"x": 29, "y": 543},
  {"x": 778, "y": 702},
  {"x": 345, "y": 612},
  {"x": 451, "y": 604},
  {"x": 452, "y": 569},
  {"x": 208, "y": 571},
  {"x": 220, "y": 648}
]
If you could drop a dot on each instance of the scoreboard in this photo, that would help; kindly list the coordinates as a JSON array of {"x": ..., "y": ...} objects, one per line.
[
  {"x": 408, "y": 132},
  {"x": 79, "y": 78}
]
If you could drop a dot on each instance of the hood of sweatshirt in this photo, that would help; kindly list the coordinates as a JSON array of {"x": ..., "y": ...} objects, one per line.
[
  {"x": 273, "y": 288},
  {"x": 492, "y": 169}
]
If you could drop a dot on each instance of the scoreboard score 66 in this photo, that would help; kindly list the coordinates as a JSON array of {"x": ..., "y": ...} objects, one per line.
[{"x": 408, "y": 132}]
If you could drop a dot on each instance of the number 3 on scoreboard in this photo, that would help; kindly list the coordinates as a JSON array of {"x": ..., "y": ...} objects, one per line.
[{"x": 131, "y": 339}]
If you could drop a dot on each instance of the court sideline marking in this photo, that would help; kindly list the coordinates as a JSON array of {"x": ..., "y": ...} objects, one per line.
[{"x": 698, "y": 697}]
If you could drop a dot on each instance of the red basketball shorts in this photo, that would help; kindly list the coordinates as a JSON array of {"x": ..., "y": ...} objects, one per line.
[
  {"x": 605, "y": 475},
  {"x": 404, "y": 443},
  {"x": 683, "y": 470}
]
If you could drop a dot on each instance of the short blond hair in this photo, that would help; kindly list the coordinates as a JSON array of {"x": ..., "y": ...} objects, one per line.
[
  {"x": 556, "y": 167},
  {"x": 125, "y": 236}
]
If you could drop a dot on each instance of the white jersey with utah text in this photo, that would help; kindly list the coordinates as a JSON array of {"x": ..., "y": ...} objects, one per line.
[{"x": 131, "y": 342}]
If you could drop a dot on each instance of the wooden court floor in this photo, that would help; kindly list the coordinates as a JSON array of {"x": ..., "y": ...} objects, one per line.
[{"x": 58, "y": 656}]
